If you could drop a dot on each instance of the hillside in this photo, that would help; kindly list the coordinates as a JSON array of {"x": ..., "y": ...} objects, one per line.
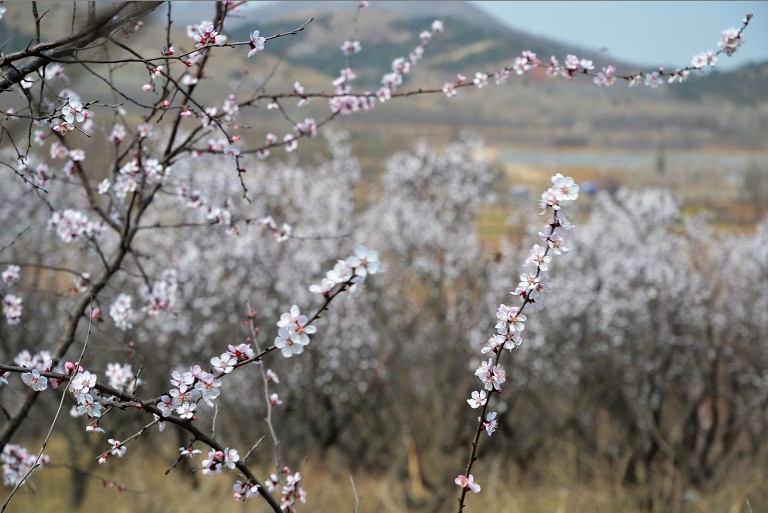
[
  {"x": 390, "y": 29},
  {"x": 722, "y": 110},
  {"x": 745, "y": 86}
]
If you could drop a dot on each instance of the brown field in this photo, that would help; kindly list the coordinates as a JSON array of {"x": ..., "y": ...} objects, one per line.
[{"x": 505, "y": 488}]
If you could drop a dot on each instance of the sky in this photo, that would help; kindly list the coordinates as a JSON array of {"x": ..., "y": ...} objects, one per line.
[{"x": 646, "y": 33}]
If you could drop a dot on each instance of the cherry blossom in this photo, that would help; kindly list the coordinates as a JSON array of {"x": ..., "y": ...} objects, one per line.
[
  {"x": 606, "y": 77},
  {"x": 11, "y": 275},
  {"x": 481, "y": 80},
  {"x": 256, "y": 42},
  {"x": 82, "y": 383},
  {"x": 224, "y": 363},
  {"x": 121, "y": 312},
  {"x": 73, "y": 111},
  {"x": 468, "y": 483},
  {"x": 207, "y": 35},
  {"x": 121, "y": 376},
  {"x": 241, "y": 351},
  {"x": 167, "y": 404},
  {"x": 490, "y": 423},
  {"x": 730, "y": 41},
  {"x": 450, "y": 90},
  {"x": 35, "y": 381},
  {"x": 350, "y": 47},
  {"x": 18, "y": 462},
  {"x": 118, "y": 449},
  {"x": 94, "y": 429},
  {"x": 189, "y": 451},
  {"x": 12, "y": 308},
  {"x": 72, "y": 224},
  {"x": 478, "y": 399}
]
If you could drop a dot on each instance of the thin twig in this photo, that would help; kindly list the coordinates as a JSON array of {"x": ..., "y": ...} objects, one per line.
[
  {"x": 354, "y": 492},
  {"x": 55, "y": 418}
]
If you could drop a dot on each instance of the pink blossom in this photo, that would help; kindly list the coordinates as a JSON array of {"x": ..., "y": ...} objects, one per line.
[
  {"x": 481, "y": 80},
  {"x": 467, "y": 483},
  {"x": 12, "y": 308},
  {"x": 350, "y": 47},
  {"x": 35, "y": 381},
  {"x": 118, "y": 449},
  {"x": 11, "y": 275},
  {"x": 256, "y": 43},
  {"x": 478, "y": 399}
]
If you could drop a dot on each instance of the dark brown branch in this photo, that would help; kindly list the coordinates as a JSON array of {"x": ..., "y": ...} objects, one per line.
[{"x": 38, "y": 55}]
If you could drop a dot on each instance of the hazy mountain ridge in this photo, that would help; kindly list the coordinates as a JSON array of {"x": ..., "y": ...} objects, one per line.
[{"x": 387, "y": 30}]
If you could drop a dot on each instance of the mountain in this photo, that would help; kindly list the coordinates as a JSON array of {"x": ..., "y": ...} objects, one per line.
[{"x": 472, "y": 41}]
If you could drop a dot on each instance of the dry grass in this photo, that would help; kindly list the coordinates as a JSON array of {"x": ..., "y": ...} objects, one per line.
[{"x": 547, "y": 487}]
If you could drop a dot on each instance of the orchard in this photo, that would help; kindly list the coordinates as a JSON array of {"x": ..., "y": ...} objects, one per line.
[{"x": 184, "y": 295}]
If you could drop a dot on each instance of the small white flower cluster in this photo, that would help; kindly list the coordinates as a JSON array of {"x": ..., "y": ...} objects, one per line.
[
  {"x": 40, "y": 361},
  {"x": 290, "y": 489},
  {"x": 245, "y": 490},
  {"x": 402, "y": 65},
  {"x": 118, "y": 449},
  {"x": 37, "y": 364},
  {"x": 12, "y": 308},
  {"x": 256, "y": 43},
  {"x": 294, "y": 328},
  {"x": 18, "y": 462},
  {"x": 162, "y": 296},
  {"x": 82, "y": 387},
  {"x": 197, "y": 384},
  {"x": 118, "y": 133},
  {"x": 12, "y": 304},
  {"x": 731, "y": 40},
  {"x": 222, "y": 145},
  {"x": 468, "y": 483},
  {"x": 39, "y": 172},
  {"x": 131, "y": 175},
  {"x": 347, "y": 103},
  {"x": 350, "y": 47},
  {"x": 219, "y": 215},
  {"x": 121, "y": 377},
  {"x": 121, "y": 312},
  {"x": 293, "y": 333},
  {"x": 153, "y": 74},
  {"x": 281, "y": 234},
  {"x": 71, "y": 225},
  {"x": 526, "y": 62},
  {"x": 80, "y": 283},
  {"x": 353, "y": 270},
  {"x": 510, "y": 319},
  {"x": 205, "y": 34},
  {"x": 216, "y": 460},
  {"x": 308, "y": 128},
  {"x": 189, "y": 386},
  {"x": 606, "y": 77},
  {"x": 264, "y": 152},
  {"x": 73, "y": 110},
  {"x": 230, "y": 108}
]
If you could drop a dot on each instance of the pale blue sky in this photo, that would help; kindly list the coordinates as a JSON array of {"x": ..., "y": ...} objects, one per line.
[{"x": 649, "y": 33}]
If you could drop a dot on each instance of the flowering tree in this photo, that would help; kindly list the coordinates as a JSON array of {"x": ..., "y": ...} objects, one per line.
[{"x": 143, "y": 219}]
